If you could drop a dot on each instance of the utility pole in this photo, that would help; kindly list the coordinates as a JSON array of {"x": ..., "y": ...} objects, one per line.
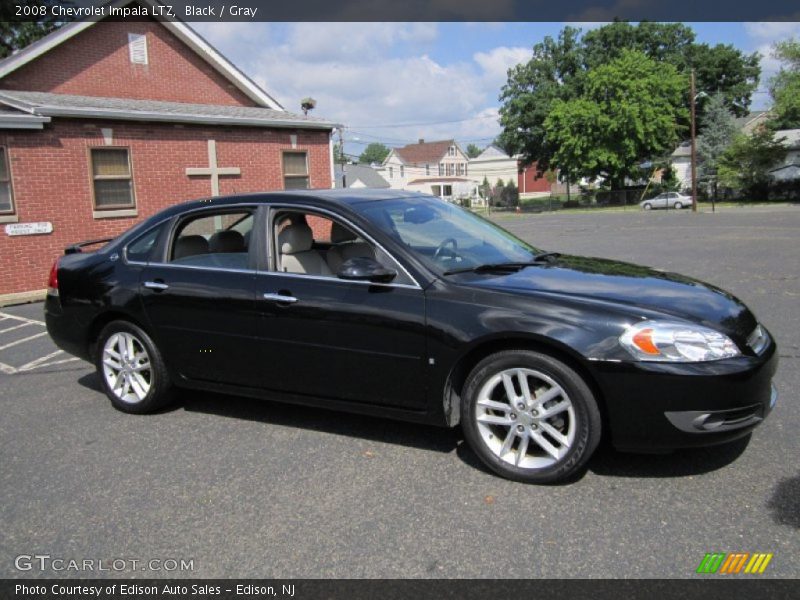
[
  {"x": 694, "y": 146},
  {"x": 341, "y": 157}
]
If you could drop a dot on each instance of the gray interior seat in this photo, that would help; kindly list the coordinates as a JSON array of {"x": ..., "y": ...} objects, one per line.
[
  {"x": 190, "y": 245},
  {"x": 347, "y": 246},
  {"x": 226, "y": 241},
  {"x": 296, "y": 255}
]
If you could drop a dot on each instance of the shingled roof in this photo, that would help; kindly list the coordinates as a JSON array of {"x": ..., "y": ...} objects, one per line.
[
  {"x": 424, "y": 152},
  {"x": 44, "y": 104}
]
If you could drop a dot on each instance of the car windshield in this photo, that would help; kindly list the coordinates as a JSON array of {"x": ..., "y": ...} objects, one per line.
[{"x": 444, "y": 236}]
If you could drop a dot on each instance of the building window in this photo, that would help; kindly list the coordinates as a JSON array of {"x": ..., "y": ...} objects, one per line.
[
  {"x": 451, "y": 151},
  {"x": 391, "y": 172},
  {"x": 137, "y": 48},
  {"x": 111, "y": 178},
  {"x": 295, "y": 171},
  {"x": 427, "y": 169},
  {"x": 441, "y": 169},
  {"x": 6, "y": 191},
  {"x": 402, "y": 171}
]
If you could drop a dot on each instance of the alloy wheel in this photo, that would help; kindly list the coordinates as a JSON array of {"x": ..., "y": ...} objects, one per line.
[
  {"x": 525, "y": 418},
  {"x": 126, "y": 367}
]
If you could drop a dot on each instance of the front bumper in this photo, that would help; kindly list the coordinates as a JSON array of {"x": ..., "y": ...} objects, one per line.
[{"x": 662, "y": 406}]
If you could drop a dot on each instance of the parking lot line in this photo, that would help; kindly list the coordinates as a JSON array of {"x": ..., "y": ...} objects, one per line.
[
  {"x": 42, "y": 362},
  {"x": 13, "y": 327},
  {"x": 4, "y": 316},
  {"x": 27, "y": 339}
]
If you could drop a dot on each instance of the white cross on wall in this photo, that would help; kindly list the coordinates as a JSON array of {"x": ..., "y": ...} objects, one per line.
[{"x": 212, "y": 169}]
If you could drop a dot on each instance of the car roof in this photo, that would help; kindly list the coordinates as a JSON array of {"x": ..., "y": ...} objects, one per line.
[{"x": 342, "y": 197}]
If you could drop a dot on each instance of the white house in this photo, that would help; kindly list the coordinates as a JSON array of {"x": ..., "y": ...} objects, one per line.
[
  {"x": 494, "y": 165},
  {"x": 440, "y": 168},
  {"x": 789, "y": 169},
  {"x": 681, "y": 158}
]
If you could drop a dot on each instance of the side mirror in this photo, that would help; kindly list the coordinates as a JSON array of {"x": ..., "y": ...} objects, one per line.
[{"x": 365, "y": 269}]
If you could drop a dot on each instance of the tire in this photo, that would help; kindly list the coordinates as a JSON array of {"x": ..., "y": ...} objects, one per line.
[
  {"x": 142, "y": 384},
  {"x": 542, "y": 449},
  {"x": 647, "y": 206},
  {"x": 678, "y": 206}
]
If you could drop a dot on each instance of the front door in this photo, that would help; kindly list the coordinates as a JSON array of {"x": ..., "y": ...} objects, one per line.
[{"x": 326, "y": 337}]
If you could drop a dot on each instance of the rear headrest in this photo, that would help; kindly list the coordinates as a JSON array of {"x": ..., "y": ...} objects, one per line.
[
  {"x": 340, "y": 233},
  {"x": 295, "y": 238},
  {"x": 190, "y": 245},
  {"x": 226, "y": 241}
]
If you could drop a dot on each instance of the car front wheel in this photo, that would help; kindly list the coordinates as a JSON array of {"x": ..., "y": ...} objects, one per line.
[
  {"x": 131, "y": 369},
  {"x": 647, "y": 206},
  {"x": 530, "y": 417}
]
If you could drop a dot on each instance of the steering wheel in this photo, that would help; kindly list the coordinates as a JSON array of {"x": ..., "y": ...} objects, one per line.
[{"x": 441, "y": 248}]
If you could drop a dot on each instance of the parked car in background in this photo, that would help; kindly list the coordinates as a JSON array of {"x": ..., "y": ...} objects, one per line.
[
  {"x": 667, "y": 200},
  {"x": 402, "y": 305}
]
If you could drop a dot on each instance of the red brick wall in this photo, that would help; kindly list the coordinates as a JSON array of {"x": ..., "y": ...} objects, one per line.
[
  {"x": 50, "y": 173},
  {"x": 528, "y": 182},
  {"x": 96, "y": 63}
]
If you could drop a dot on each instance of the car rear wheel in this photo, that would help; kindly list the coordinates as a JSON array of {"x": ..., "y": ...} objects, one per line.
[
  {"x": 530, "y": 417},
  {"x": 131, "y": 369},
  {"x": 678, "y": 205},
  {"x": 647, "y": 206}
]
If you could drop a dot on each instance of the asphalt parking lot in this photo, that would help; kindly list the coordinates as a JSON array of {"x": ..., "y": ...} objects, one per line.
[{"x": 254, "y": 489}]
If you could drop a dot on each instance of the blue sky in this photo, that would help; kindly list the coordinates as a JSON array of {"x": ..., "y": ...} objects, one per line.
[{"x": 398, "y": 82}]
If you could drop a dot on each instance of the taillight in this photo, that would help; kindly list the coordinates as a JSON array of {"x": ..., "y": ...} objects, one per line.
[{"x": 52, "y": 280}]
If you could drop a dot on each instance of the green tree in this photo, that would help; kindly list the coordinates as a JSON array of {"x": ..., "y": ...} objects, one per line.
[
  {"x": 724, "y": 70},
  {"x": 559, "y": 67},
  {"x": 473, "y": 151},
  {"x": 711, "y": 145},
  {"x": 338, "y": 157},
  {"x": 785, "y": 86},
  {"x": 15, "y": 35},
  {"x": 553, "y": 73},
  {"x": 745, "y": 165},
  {"x": 719, "y": 69},
  {"x": 629, "y": 111},
  {"x": 374, "y": 153}
]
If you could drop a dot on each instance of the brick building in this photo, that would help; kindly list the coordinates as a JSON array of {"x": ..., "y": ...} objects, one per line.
[{"x": 103, "y": 124}]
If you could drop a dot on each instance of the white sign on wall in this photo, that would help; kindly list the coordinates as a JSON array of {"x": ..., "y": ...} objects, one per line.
[{"x": 29, "y": 228}]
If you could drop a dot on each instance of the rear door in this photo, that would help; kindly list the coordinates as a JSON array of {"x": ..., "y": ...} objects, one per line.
[{"x": 199, "y": 298}]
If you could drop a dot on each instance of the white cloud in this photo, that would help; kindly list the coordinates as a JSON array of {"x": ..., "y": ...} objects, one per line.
[
  {"x": 772, "y": 31},
  {"x": 374, "y": 76},
  {"x": 498, "y": 61},
  {"x": 763, "y": 36}
]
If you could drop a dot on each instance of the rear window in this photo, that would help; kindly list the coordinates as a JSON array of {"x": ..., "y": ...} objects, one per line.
[{"x": 141, "y": 249}]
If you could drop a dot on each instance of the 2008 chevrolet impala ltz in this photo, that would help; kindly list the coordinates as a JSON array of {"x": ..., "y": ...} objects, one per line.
[{"x": 402, "y": 305}]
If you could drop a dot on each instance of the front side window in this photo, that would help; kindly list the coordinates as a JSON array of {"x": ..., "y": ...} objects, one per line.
[
  {"x": 214, "y": 240},
  {"x": 316, "y": 245},
  {"x": 295, "y": 171},
  {"x": 443, "y": 235},
  {"x": 111, "y": 178},
  {"x": 6, "y": 190}
]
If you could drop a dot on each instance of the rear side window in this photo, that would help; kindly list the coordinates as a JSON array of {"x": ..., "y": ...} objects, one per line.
[
  {"x": 214, "y": 240},
  {"x": 141, "y": 249}
]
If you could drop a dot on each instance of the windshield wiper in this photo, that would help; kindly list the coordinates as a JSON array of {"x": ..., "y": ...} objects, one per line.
[{"x": 507, "y": 266}]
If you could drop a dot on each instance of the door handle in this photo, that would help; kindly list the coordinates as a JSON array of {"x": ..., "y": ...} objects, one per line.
[
  {"x": 280, "y": 298},
  {"x": 155, "y": 285}
]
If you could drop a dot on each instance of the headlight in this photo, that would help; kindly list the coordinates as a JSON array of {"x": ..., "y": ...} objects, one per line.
[{"x": 662, "y": 341}]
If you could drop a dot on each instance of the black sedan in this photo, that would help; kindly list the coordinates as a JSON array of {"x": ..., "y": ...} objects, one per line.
[{"x": 402, "y": 305}]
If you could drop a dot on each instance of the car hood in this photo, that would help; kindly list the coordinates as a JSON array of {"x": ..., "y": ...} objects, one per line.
[{"x": 629, "y": 285}]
